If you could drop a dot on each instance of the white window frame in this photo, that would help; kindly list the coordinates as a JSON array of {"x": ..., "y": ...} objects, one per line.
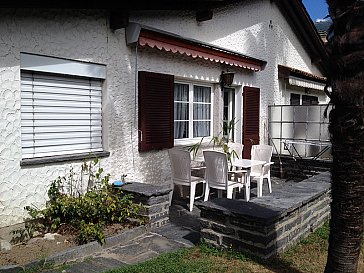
[
  {"x": 231, "y": 109},
  {"x": 301, "y": 97},
  {"x": 191, "y": 139},
  {"x": 37, "y": 140}
]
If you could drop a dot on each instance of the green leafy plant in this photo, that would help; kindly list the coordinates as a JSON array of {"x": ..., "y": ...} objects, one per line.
[
  {"x": 32, "y": 225},
  {"x": 91, "y": 231},
  {"x": 194, "y": 148},
  {"x": 87, "y": 212},
  {"x": 123, "y": 176},
  {"x": 221, "y": 140}
]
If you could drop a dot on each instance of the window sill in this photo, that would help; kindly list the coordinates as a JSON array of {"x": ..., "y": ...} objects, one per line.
[
  {"x": 192, "y": 141},
  {"x": 62, "y": 158}
]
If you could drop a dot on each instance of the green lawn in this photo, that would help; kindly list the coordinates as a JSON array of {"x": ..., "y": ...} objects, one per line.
[{"x": 308, "y": 256}]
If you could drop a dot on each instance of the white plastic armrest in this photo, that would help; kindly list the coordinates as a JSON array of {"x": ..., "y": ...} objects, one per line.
[
  {"x": 237, "y": 171},
  {"x": 267, "y": 164},
  {"x": 198, "y": 168},
  {"x": 266, "y": 167}
]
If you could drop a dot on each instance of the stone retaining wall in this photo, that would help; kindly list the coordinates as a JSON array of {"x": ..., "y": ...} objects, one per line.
[
  {"x": 154, "y": 198},
  {"x": 269, "y": 224}
]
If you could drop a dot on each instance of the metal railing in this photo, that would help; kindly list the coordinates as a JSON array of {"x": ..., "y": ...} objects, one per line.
[{"x": 300, "y": 130}]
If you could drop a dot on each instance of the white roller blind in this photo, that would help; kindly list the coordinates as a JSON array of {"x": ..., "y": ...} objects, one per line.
[
  {"x": 306, "y": 83},
  {"x": 60, "y": 115}
]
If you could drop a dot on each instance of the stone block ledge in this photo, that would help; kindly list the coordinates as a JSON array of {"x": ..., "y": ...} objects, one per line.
[
  {"x": 147, "y": 190},
  {"x": 155, "y": 200},
  {"x": 269, "y": 224}
]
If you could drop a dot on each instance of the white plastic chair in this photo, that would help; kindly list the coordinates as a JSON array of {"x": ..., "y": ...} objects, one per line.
[
  {"x": 258, "y": 173},
  {"x": 181, "y": 172},
  {"x": 236, "y": 153},
  {"x": 235, "y": 150},
  {"x": 216, "y": 175}
]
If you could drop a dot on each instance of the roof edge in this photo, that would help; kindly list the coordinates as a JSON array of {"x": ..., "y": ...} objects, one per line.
[
  {"x": 133, "y": 31},
  {"x": 286, "y": 72},
  {"x": 297, "y": 16}
]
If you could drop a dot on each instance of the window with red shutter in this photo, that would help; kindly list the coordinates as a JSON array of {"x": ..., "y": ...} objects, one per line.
[{"x": 155, "y": 111}]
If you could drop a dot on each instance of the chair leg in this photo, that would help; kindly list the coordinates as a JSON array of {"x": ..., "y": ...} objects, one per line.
[
  {"x": 260, "y": 187},
  {"x": 203, "y": 188},
  {"x": 207, "y": 192},
  {"x": 192, "y": 195},
  {"x": 229, "y": 193},
  {"x": 170, "y": 197},
  {"x": 234, "y": 192},
  {"x": 269, "y": 184},
  {"x": 243, "y": 177},
  {"x": 180, "y": 188}
]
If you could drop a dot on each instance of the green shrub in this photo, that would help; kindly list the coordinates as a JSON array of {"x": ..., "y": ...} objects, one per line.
[{"x": 87, "y": 212}]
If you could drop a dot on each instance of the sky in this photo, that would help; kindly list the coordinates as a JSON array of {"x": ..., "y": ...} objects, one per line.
[{"x": 317, "y": 9}]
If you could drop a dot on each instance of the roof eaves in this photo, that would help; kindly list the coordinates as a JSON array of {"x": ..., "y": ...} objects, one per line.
[
  {"x": 125, "y": 5},
  {"x": 286, "y": 72},
  {"x": 134, "y": 29}
]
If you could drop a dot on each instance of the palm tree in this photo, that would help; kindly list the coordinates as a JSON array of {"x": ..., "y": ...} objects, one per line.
[{"x": 346, "y": 52}]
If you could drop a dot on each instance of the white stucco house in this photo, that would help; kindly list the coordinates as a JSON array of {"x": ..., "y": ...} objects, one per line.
[{"x": 127, "y": 84}]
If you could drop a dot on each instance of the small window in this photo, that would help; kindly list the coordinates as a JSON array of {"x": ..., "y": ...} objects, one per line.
[
  {"x": 309, "y": 100},
  {"x": 295, "y": 99},
  {"x": 192, "y": 111}
]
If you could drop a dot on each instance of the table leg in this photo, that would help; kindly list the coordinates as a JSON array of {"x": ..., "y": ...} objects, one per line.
[{"x": 247, "y": 185}]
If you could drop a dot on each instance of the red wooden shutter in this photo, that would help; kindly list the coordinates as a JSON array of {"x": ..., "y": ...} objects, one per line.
[
  {"x": 155, "y": 111},
  {"x": 251, "y": 113}
]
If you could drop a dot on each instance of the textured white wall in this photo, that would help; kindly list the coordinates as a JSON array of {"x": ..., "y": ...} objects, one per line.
[
  {"x": 82, "y": 35},
  {"x": 85, "y": 35},
  {"x": 254, "y": 28}
]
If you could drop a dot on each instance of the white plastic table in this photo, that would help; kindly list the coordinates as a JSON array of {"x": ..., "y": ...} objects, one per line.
[{"x": 247, "y": 164}]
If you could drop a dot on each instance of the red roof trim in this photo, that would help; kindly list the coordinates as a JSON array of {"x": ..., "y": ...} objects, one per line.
[
  {"x": 194, "y": 49},
  {"x": 286, "y": 71}
]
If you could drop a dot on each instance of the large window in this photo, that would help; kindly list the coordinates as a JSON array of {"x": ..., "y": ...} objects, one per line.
[
  {"x": 60, "y": 114},
  {"x": 192, "y": 111}
]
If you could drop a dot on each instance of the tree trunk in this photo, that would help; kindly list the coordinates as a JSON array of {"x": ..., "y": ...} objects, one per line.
[{"x": 346, "y": 53}]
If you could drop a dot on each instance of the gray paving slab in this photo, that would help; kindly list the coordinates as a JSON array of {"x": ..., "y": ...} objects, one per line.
[
  {"x": 153, "y": 242},
  {"x": 108, "y": 263},
  {"x": 161, "y": 244},
  {"x": 128, "y": 252},
  {"x": 142, "y": 257},
  {"x": 188, "y": 237},
  {"x": 88, "y": 266}
]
